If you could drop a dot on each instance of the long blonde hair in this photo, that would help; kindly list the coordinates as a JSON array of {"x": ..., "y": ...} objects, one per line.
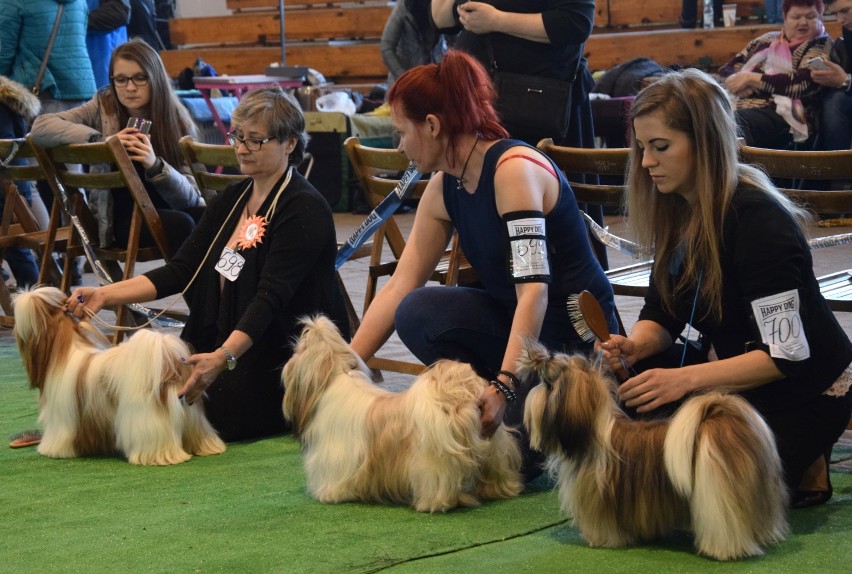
[{"x": 666, "y": 224}]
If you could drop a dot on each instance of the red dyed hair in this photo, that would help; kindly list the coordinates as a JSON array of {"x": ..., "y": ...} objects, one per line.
[
  {"x": 787, "y": 4},
  {"x": 458, "y": 90}
]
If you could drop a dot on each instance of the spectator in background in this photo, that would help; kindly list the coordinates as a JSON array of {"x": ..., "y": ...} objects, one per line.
[
  {"x": 777, "y": 99},
  {"x": 18, "y": 107},
  {"x": 835, "y": 131},
  {"x": 143, "y": 23},
  {"x": 25, "y": 27},
  {"x": 410, "y": 38},
  {"x": 139, "y": 88},
  {"x": 107, "y": 30}
]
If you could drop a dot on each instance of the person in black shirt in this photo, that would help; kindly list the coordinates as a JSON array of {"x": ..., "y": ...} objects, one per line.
[{"x": 731, "y": 261}]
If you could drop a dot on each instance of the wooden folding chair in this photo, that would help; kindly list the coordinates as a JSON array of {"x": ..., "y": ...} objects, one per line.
[
  {"x": 120, "y": 262},
  {"x": 18, "y": 225},
  {"x": 630, "y": 280},
  {"x": 207, "y": 162},
  {"x": 805, "y": 166},
  {"x": 378, "y": 171}
]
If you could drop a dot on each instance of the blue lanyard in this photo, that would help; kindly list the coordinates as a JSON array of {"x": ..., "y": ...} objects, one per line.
[{"x": 691, "y": 317}]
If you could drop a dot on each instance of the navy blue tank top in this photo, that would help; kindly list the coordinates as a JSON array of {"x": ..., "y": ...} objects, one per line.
[{"x": 573, "y": 266}]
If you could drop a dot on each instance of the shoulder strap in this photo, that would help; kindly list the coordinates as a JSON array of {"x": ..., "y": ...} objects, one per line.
[
  {"x": 47, "y": 50},
  {"x": 548, "y": 167}
]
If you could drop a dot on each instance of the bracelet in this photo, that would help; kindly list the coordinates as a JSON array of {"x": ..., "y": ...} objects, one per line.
[
  {"x": 513, "y": 379},
  {"x": 509, "y": 393}
]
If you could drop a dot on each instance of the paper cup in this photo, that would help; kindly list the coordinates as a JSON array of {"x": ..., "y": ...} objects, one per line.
[{"x": 729, "y": 14}]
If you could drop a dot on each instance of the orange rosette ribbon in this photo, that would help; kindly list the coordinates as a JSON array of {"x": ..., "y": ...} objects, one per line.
[{"x": 252, "y": 232}]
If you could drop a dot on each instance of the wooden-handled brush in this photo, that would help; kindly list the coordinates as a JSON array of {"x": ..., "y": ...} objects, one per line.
[{"x": 590, "y": 323}]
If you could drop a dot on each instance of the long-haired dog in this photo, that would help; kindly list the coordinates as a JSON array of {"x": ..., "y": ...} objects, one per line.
[
  {"x": 95, "y": 398},
  {"x": 712, "y": 468},
  {"x": 420, "y": 447}
]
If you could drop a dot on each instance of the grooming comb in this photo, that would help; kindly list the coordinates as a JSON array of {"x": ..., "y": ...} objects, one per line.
[{"x": 590, "y": 323}]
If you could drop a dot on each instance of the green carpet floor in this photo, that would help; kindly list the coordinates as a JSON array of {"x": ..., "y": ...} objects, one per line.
[{"x": 247, "y": 511}]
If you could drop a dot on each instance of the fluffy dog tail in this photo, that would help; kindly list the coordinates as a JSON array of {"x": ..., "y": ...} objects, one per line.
[
  {"x": 320, "y": 355},
  {"x": 721, "y": 455}
]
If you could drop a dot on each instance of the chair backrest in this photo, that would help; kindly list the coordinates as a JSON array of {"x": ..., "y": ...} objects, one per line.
[
  {"x": 378, "y": 171},
  {"x": 804, "y": 166},
  {"x": 590, "y": 161},
  {"x": 120, "y": 173},
  {"x": 31, "y": 171},
  {"x": 17, "y": 209},
  {"x": 207, "y": 162}
]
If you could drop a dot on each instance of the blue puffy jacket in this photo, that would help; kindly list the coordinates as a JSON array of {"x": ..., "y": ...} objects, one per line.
[{"x": 25, "y": 27}]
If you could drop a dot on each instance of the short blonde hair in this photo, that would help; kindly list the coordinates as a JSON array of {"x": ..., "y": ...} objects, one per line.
[{"x": 273, "y": 107}]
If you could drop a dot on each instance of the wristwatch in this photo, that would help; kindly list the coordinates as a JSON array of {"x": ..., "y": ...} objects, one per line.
[
  {"x": 230, "y": 359},
  {"x": 846, "y": 83}
]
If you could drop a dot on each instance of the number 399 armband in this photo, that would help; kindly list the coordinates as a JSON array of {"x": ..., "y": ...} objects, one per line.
[{"x": 526, "y": 247}]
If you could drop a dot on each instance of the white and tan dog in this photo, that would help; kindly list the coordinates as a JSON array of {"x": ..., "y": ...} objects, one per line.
[
  {"x": 95, "y": 398},
  {"x": 712, "y": 468},
  {"x": 420, "y": 447}
]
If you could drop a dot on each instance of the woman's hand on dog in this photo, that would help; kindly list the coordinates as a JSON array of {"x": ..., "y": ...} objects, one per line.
[
  {"x": 85, "y": 299},
  {"x": 207, "y": 366},
  {"x": 492, "y": 404},
  {"x": 654, "y": 388}
]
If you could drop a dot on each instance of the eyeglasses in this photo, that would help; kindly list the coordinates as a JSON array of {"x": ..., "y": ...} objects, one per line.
[
  {"x": 251, "y": 144},
  {"x": 138, "y": 80}
]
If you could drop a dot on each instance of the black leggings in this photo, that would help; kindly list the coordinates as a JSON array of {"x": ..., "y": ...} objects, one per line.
[{"x": 177, "y": 226}]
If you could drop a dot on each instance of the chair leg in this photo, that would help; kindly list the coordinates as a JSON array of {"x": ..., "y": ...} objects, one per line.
[{"x": 351, "y": 315}]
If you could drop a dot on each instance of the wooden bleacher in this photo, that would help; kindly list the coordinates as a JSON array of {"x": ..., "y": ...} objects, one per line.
[{"x": 341, "y": 38}]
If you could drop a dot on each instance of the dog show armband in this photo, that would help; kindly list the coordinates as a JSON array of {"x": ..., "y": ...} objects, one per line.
[
  {"x": 779, "y": 322},
  {"x": 527, "y": 258}
]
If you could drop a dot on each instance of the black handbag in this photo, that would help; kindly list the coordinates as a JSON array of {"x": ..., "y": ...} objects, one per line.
[{"x": 531, "y": 104}]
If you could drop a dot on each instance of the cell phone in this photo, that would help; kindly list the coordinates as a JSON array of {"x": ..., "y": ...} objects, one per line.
[{"x": 817, "y": 63}]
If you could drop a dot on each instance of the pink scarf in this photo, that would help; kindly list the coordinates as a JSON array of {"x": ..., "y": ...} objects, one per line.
[{"x": 779, "y": 60}]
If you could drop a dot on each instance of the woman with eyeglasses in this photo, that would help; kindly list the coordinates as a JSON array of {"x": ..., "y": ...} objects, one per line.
[
  {"x": 139, "y": 88},
  {"x": 264, "y": 256}
]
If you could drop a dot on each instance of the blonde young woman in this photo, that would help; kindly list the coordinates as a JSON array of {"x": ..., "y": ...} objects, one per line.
[{"x": 731, "y": 261}]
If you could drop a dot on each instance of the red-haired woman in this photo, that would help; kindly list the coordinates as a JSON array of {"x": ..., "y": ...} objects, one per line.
[{"x": 519, "y": 227}]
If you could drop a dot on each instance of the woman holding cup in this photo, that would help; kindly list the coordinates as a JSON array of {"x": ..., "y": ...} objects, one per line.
[{"x": 140, "y": 108}]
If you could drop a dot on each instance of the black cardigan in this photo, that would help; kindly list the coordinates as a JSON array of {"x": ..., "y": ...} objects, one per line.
[
  {"x": 289, "y": 275},
  {"x": 764, "y": 253}
]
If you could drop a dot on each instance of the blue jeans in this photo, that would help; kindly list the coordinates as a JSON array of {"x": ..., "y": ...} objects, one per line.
[
  {"x": 468, "y": 325},
  {"x": 773, "y": 11},
  {"x": 835, "y": 131}
]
